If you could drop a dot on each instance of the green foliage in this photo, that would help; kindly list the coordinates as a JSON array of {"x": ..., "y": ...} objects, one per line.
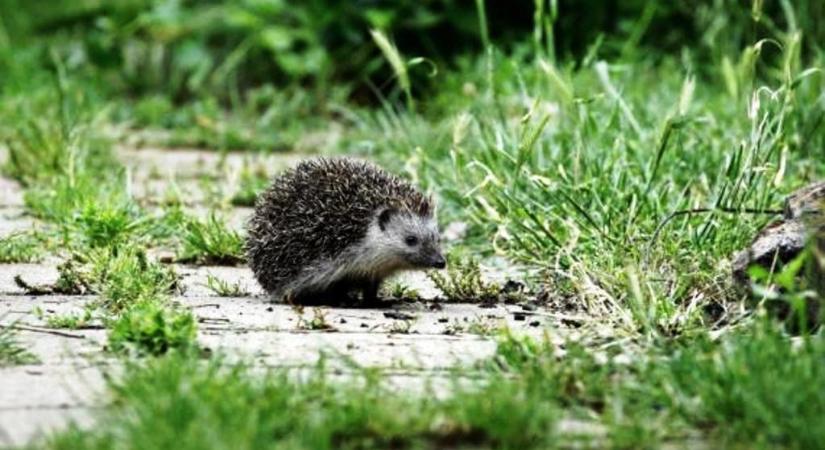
[
  {"x": 150, "y": 328},
  {"x": 264, "y": 119},
  {"x": 317, "y": 322},
  {"x": 758, "y": 387},
  {"x": 71, "y": 321},
  {"x": 213, "y": 401},
  {"x": 21, "y": 248},
  {"x": 107, "y": 224},
  {"x": 253, "y": 181},
  {"x": 121, "y": 276},
  {"x": 125, "y": 277},
  {"x": 789, "y": 293},
  {"x": 463, "y": 281},
  {"x": 211, "y": 242},
  {"x": 181, "y": 50},
  {"x": 11, "y": 352},
  {"x": 397, "y": 289},
  {"x": 224, "y": 288}
]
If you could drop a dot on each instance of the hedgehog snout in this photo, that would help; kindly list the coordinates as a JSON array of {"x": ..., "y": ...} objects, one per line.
[
  {"x": 438, "y": 261},
  {"x": 427, "y": 257}
]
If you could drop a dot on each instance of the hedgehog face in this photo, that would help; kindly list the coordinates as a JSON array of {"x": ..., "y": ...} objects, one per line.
[{"x": 411, "y": 238}]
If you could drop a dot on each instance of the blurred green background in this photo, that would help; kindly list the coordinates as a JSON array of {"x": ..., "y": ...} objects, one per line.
[{"x": 182, "y": 49}]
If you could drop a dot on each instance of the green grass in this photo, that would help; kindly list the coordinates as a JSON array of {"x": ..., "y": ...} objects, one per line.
[
  {"x": 70, "y": 321},
  {"x": 223, "y": 288},
  {"x": 753, "y": 389},
  {"x": 197, "y": 405},
  {"x": 253, "y": 181},
  {"x": 150, "y": 328},
  {"x": 11, "y": 351},
  {"x": 211, "y": 241},
  {"x": 758, "y": 388},
  {"x": 127, "y": 277},
  {"x": 265, "y": 119},
  {"x": 621, "y": 176},
  {"x": 463, "y": 282},
  {"x": 578, "y": 172},
  {"x": 23, "y": 247}
]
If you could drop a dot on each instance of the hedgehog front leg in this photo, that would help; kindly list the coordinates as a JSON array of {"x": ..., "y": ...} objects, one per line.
[{"x": 370, "y": 290}]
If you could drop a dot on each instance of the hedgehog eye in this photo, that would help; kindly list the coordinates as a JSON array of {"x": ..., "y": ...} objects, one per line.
[{"x": 411, "y": 240}]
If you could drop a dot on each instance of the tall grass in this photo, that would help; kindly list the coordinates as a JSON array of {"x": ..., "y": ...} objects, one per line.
[{"x": 628, "y": 183}]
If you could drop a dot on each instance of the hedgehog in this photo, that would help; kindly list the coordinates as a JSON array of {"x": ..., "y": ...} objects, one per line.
[{"x": 331, "y": 227}]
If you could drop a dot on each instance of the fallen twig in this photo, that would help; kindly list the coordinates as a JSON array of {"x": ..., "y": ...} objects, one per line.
[{"x": 47, "y": 331}]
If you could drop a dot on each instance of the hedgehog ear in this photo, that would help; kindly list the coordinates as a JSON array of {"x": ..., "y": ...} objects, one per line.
[{"x": 384, "y": 217}]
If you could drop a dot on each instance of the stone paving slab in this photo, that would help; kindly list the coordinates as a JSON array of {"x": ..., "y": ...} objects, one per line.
[
  {"x": 14, "y": 220},
  {"x": 22, "y": 426},
  {"x": 33, "y": 274},
  {"x": 415, "y": 344},
  {"x": 193, "y": 279},
  {"x": 12, "y": 193},
  {"x": 235, "y": 218},
  {"x": 194, "y": 177},
  {"x": 249, "y": 315},
  {"x": 148, "y": 163}
]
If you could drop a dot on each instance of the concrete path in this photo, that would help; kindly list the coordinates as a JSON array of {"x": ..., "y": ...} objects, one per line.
[{"x": 412, "y": 342}]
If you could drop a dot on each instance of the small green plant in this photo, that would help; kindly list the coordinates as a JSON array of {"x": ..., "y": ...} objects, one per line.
[
  {"x": 401, "y": 326},
  {"x": 478, "y": 325},
  {"x": 150, "y": 328},
  {"x": 211, "y": 242},
  {"x": 11, "y": 351},
  {"x": 790, "y": 293},
  {"x": 463, "y": 282},
  {"x": 21, "y": 248},
  {"x": 108, "y": 224},
  {"x": 74, "y": 276},
  {"x": 318, "y": 322},
  {"x": 125, "y": 276},
  {"x": 224, "y": 288},
  {"x": 514, "y": 350},
  {"x": 122, "y": 276},
  {"x": 399, "y": 290},
  {"x": 70, "y": 321},
  {"x": 759, "y": 386},
  {"x": 252, "y": 182}
]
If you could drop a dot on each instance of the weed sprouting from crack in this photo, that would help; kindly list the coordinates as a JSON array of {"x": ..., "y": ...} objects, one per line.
[
  {"x": 71, "y": 321},
  {"x": 11, "y": 351},
  {"x": 21, "y": 247},
  {"x": 463, "y": 282},
  {"x": 318, "y": 321},
  {"x": 151, "y": 328},
  {"x": 211, "y": 242},
  {"x": 225, "y": 288},
  {"x": 398, "y": 290}
]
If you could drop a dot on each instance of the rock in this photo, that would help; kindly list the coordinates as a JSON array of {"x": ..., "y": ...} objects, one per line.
[
  {"x": 805, "y": 202},
  {"x": 783, "y": 240}
]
